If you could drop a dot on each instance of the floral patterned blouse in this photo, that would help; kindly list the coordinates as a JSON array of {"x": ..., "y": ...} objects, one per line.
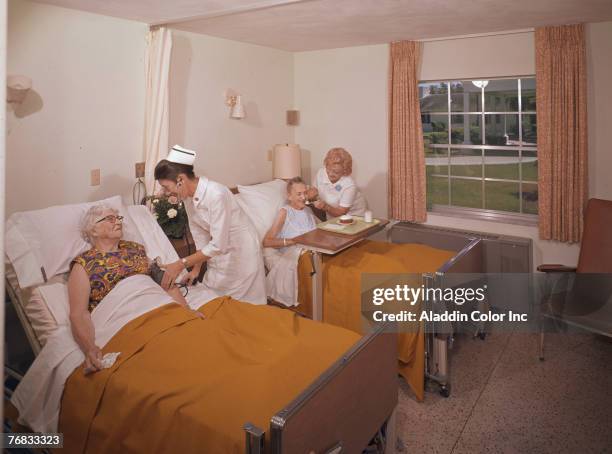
[{"x": 106, "y": 269}]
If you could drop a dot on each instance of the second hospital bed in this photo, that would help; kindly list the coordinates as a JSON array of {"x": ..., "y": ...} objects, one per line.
[{"x": 423, "y": 352}]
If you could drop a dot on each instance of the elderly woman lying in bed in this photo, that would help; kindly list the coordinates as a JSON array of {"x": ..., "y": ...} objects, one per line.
[{"x": 96, "y": 271}]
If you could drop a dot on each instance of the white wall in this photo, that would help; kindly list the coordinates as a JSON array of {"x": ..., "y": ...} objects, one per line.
[
  {"x": 342, "y": 98},
  {"x": 203, "y": 68},
  {"x": 86, "y": 108}
]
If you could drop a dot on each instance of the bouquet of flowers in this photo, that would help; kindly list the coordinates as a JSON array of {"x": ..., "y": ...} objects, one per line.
[{"x": 170, "y": 214}]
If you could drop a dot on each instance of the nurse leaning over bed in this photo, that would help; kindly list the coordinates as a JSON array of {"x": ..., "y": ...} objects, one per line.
[
  {"x": 224, "y": 236},
  {"x": 96, "y": 271}
]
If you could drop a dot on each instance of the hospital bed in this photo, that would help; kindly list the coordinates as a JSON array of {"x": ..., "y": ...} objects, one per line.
[
  {"x": 340, "y": 410},
  {"x": 433, "y": 256}
]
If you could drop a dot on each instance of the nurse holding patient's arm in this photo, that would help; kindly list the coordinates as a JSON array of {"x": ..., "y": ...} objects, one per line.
[{"x": 225, "y": 238}]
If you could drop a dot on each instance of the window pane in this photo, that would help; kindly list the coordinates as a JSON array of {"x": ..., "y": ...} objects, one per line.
[
  {"x": 436, "y": 160},
  {"x": 501, "y": 129},
  {"x": 502, "y": 196},
  {"x": 528, "y": 95},
  {"x": 465, "y": 97},
  {"x": 433, "y": 96},
  {"x": 466, "y": 193},
  {"x": 435, "y": 128},
  {"x": 530, "y": 198},
  {"x": 530, "y": 129},
  {"x": 466, "y": 163},
  {"x": 437, "y": 190},
  {"x": 466, "y": 129},
  {"x": 530, "y": 166},
  {"x": 502, "y": 164},
  {"x": 501, "y": 95}
]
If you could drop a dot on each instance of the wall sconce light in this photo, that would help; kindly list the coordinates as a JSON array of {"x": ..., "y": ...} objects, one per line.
[
  {"x": 287, "y": 161},
  {"x": 17, "y": 88},
  {"x": 237, "y": 109}
]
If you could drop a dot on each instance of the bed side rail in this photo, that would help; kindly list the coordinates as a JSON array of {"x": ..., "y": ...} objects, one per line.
[
  {"x": 470, "y": 259},
  {"x": 345, "y": 407}
]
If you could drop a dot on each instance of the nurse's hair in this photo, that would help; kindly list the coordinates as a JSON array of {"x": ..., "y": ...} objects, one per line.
[
  {"x": 166, "y": 170},
  {"x": 292, "y": 181},
  {"x": 339, "y": 156},
  {"x": 91, "y": 218}
]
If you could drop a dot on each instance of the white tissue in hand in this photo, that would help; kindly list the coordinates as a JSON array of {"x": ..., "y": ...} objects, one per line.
[{"x": 109, "y": 359}]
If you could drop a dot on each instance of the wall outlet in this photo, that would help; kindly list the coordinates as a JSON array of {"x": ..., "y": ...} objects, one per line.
[
  {"x": 95, "y": 177},
  {"x": 139, "y": 168}
]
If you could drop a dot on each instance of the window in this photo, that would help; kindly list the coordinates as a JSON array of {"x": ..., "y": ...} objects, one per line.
[{"x": 480, "y": 141}]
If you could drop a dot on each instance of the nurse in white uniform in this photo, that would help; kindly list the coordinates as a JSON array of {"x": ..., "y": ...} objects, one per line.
[
  {"x": 225, "y": 238},
  {"x": 338, "y": 194}
]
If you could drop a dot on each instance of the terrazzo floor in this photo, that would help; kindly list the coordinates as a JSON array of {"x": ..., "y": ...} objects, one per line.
[{"x": 505, "y": 400}]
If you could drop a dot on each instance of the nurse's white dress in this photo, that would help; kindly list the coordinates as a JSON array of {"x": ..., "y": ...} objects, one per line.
[
  {"x": 223, "y": 232},
  {"x": 343, "y": 193}
]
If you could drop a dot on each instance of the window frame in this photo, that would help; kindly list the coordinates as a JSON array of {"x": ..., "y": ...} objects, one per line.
[{"x": 483, "y": 213}]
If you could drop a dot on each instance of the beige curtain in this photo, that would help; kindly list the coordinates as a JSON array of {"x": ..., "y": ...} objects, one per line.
[
  {"x": 406, "y": 155},
  {"x": 562, "y": 131},
  {"x": 157, "y": 68}
]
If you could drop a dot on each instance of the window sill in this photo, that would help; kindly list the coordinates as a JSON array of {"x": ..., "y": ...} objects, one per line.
[{"x": 530, "y": 220}]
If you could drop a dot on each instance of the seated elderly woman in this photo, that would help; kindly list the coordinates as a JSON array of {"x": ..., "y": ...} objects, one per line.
[
  {"x": 96, "y": 271},
  {"x": 337, "y": 192},
  {"x": 293, "y": 219}
]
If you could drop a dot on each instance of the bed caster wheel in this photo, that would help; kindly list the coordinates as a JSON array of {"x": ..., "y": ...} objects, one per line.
[{"x": 444, "y": 392}]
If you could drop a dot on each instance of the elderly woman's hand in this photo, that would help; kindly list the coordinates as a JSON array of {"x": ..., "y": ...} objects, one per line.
[
  {"x": 93, "y": 360},
  {"x": 172, "y": 271},
  {"x": 312, "y": 193}
]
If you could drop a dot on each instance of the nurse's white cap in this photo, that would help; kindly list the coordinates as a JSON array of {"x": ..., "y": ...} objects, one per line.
[{"x": 181, "y": 155}]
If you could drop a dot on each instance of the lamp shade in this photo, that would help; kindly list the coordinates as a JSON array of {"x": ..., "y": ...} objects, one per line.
[{"x": 287, "y": 161}]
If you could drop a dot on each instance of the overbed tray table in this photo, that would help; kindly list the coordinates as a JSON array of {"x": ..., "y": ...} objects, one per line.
[{"x": 319, "y": 241}]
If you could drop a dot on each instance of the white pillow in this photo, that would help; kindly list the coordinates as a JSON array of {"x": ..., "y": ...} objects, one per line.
[
  {"x": 45, "y": 241},
  {"x": 261, "y": 203}
]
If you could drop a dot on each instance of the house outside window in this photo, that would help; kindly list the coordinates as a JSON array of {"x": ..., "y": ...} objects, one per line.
[{"x": 480, "y": 141}]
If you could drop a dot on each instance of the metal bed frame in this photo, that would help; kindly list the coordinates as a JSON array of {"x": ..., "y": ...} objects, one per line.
[{"x": 438, "y": 338}]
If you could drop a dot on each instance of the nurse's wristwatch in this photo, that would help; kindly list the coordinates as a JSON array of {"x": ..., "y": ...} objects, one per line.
[{"x": 184, "y": 262}]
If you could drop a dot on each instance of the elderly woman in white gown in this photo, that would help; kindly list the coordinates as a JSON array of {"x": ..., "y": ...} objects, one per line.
[
  {"x": 293, "y": 219},
  {"x": 225, "y": 238}
]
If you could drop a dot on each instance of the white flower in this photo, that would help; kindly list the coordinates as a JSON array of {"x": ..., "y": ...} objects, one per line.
[
  {"x": 172, "y": 213},
  {"x": 155, "y": 200}
]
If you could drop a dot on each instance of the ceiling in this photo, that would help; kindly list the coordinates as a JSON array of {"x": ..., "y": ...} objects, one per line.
[{"x": 301, "y": 25}]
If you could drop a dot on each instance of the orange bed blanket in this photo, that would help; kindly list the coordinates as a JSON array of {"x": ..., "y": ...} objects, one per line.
[
  {"x": 183, "y": 384},
  {"x": 342, "y": 293}
]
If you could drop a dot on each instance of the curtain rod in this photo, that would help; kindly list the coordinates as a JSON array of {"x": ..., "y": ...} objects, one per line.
[
  {"x": 479, "y": 35},
  {"x": 265, "y": 4}
]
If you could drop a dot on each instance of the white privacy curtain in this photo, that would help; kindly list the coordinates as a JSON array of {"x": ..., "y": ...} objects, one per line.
[{"x": 157, "y": 68}]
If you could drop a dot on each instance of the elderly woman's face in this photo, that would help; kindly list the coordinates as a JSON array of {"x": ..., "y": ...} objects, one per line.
[
  {"x": 108, "y": 226},
  {"x": 297, "y": 196},
  {"x": 334, "y": 171}
]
